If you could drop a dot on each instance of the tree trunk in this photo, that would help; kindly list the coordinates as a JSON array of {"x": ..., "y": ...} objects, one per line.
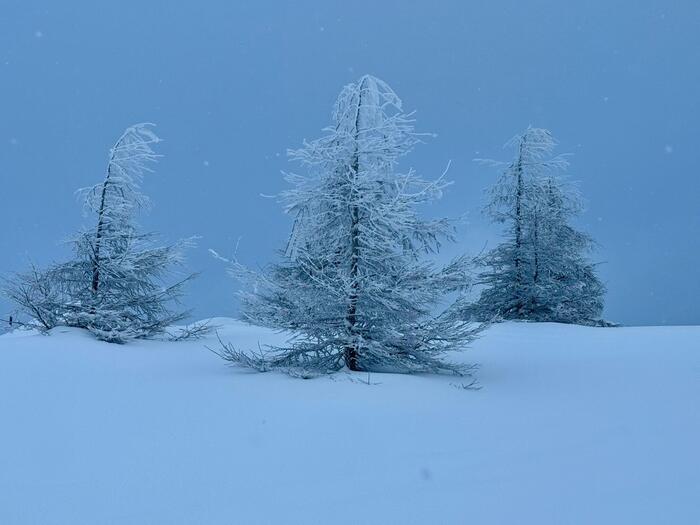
[
  {"x": 98, "y": 235},
  {"x": 535, "y": 249},
  {"x": 351, "y": 353},
  {"x": 352, "y": 350},
  {"x": 518, "y": 262}
]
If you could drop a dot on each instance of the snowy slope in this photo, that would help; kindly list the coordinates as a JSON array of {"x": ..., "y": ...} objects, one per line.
[{"x": 573, "y": 425}]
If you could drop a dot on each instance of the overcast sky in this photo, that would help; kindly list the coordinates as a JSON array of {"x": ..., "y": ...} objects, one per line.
[{"x": 233, "y": 84}]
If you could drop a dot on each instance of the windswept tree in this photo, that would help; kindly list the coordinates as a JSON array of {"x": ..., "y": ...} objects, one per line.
[
  {"x": 115, "y": 286},
  {"x": 541, "y": 271},
  {"x": 353, "y": 285}
]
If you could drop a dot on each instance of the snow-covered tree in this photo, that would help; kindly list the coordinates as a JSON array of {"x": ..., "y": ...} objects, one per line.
[
  {"x": 353, "y": 285},
  {"x": 566, "y": 286},
  {"x": 541, "y": 271},
  {"x": 115, "y": 284}
]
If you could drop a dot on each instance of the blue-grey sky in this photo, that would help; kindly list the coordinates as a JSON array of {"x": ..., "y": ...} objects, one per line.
[{"x": 232, "y": 84}]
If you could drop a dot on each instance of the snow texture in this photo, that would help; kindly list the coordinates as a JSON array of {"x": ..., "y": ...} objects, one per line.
[{"x": 572, "y": 425}]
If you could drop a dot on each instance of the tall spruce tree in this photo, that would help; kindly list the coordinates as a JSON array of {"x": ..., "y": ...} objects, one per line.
[
  {"x": 115, "y": 284},
  {"x": 353, "y": 285},
  {"x": 541, "y": 271}
]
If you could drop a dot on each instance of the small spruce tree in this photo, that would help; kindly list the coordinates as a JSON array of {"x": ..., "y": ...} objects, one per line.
[
  {"x": 115, "y": 284},
  {"x": 541, "y": 271}
]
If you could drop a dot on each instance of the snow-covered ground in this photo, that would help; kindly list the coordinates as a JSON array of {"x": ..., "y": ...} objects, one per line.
[{"x": 572, "y": 425}]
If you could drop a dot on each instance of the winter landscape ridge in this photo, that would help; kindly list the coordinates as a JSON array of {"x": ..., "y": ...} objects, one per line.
[{"x": 570, "y": 425}]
